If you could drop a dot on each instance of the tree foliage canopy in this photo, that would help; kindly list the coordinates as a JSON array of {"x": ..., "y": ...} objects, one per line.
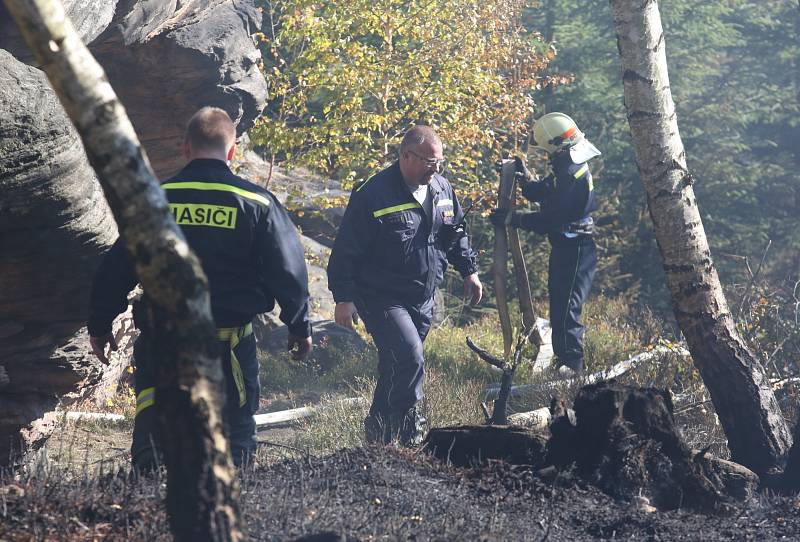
[{"x": 348, "y": 78}]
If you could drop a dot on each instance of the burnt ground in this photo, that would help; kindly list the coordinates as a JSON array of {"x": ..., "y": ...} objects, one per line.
[{"x": 380, "y": 494}]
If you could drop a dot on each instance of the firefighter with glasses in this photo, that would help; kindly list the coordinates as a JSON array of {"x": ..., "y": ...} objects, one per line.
[
  {"x": 400, "y": 230},
  {"x": 566, "y": 198}
]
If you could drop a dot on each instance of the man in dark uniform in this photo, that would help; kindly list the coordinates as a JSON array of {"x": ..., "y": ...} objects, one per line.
[
  {"x": 398, "y": 233},
  {"x": 567, "y": 199},
  {"x": 252, "y": 256}
]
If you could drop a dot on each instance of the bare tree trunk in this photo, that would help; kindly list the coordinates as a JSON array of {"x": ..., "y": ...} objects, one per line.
[
  {"x": 757, "y": 433},
  {"x": 202, "y": 487}
]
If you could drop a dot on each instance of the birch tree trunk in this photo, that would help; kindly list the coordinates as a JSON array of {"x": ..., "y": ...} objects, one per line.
[
  {"x": 202, "y": 488},
  {"x": 757, "y": 433}
]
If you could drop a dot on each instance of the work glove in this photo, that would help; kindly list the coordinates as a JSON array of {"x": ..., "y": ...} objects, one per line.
[
  {"x": 521, "y": 174},
  {"x": 502, "y": 217},
  {"x": 299, "y": 347}
]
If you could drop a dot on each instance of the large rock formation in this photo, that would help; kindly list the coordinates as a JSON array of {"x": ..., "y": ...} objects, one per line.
[
  {"x": 53, "y": 223},
  {"x": 89, "y": 17},
  {"x": 165, "y": 59}
]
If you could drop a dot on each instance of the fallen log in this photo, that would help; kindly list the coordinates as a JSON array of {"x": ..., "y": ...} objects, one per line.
[
  {"x": 624, "y": 366},
  {"x": 537, "y": 419},
  {"x": 617, "y": 370},
  {"x": 272, "y": 419},
  {"x": 284, "y": 416},
  {"x": 625, "y": 442},
  {"x": 622, "y": 440}
]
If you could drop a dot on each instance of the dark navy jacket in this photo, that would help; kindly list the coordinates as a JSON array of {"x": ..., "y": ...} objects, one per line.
[
  {"x": 387, "y": 245},
  {"x": 246, "y": 242},
  {"x": 566, "y": 196}
]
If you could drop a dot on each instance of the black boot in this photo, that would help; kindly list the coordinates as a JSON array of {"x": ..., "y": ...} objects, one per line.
[
  {"x": 568, "y": 368},
  {"x": 376, "y": 429},
  {"x": 411, "y": 428}
]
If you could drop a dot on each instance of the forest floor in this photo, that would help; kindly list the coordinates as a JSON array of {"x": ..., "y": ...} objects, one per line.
[
  {"x": 317, "y": 478},
  {"x": 365, "y": 493}
]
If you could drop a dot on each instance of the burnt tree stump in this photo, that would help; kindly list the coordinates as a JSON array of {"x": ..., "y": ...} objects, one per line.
[
  {"x": 469, "y": 445},
  {"x": 628, "y": 445},
  {"x": 623, "y": 440}
]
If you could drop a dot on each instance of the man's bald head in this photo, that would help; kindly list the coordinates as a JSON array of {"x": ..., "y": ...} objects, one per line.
[
  {"x": 210, "y": 133},
  {"x": 417, "y": 135}
]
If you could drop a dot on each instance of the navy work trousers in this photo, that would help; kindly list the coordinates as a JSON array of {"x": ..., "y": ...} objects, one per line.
[
  {"x": 570, "y": 273},
  {"x": 241, "y": 402},
  {"x": 398, "y": 330}
]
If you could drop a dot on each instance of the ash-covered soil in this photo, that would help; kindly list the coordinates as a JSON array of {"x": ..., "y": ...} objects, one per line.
[{"x": 381, "y": 494}]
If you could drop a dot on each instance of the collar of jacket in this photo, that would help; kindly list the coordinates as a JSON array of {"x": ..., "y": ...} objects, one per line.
[
  {"x": 561, "y": 159},
  {"x": 207, "y": 163},
  {"x": 437, "y": 181}
]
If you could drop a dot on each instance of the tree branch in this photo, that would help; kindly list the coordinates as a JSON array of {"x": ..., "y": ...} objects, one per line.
[{"x": 486, "y": 356}]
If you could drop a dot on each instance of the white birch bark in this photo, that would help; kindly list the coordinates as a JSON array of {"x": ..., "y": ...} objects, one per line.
[{"x": 757, "y": 433}]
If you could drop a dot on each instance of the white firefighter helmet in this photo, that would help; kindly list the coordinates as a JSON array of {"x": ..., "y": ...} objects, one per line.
[{"x": 556, "y": 131}]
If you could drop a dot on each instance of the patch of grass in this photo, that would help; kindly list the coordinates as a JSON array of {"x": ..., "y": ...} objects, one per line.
[
  {"x": 338, "y": 424},
  {"x": 86, "y": 446},
  {"x": 451, "y": 402},
  {"x": 341, "y": 367},
  {"x": 99, "y": 427},
  {"x": 68, "y": 481},
  {"x": 611, "y": 333},
  {"x": 121, "y": 400},
  {"x": 455, "y": 380}
]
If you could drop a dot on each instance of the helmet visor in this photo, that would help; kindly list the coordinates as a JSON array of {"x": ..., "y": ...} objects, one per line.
[{"x": 583, "y": 151}]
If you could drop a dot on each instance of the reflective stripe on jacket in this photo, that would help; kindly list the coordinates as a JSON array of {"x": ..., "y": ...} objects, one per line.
[
  {"x": 247, "y": 244},
  {"x": 387, "y": 243}
]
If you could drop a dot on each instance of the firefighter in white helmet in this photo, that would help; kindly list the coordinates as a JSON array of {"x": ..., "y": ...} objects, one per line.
[{"x": 566, "y": 197}]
